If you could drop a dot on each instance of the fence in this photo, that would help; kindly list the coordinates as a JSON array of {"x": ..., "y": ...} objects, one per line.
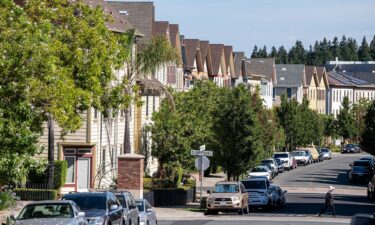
[{"x": 33, "y": 191}]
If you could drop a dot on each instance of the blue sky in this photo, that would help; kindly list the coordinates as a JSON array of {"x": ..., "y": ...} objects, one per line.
[{"x": 244, "y": 23}]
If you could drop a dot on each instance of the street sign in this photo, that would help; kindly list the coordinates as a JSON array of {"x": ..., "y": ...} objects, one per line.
[
  {"x": 205, "y": 163},
  {"x": 202, "y": 147},
  {"x": 199, "y": 153}
]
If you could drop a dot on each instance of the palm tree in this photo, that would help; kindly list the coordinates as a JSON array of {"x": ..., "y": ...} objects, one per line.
[{"x": 148, "y": 60}]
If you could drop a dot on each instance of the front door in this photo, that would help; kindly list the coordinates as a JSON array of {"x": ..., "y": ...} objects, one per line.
[{"x": 83, "y": 174}]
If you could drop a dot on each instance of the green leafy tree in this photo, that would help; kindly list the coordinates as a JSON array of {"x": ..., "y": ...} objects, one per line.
[
  {"x": 329, "y": 127},
  {"x": 345, "y": 121},
  {"x": 364, "y": 51},
  {"x": 368, "y": 140},
  {"x": 236, "y": 132},
  {"x": 359, "y": 111}
]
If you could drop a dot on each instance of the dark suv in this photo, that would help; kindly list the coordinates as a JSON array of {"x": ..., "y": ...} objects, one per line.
[
  {"x": 127, "y": 202},
  {"x": 101, "y": 208}
]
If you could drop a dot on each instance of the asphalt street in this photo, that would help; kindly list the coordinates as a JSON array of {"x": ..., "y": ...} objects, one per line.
[{"x": 308, "y": 185}]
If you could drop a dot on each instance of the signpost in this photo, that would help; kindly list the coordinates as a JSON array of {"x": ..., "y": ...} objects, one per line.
[{"x": 202, "y": 162}]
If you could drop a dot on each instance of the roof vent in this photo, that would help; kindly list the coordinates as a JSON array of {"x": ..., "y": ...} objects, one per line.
[
  {"x": 373, "y": 71},
  {"x": 344, "y": 71},
  {"x": 282, "y": 78},
  {"x": 123, "y": 12},
  {"x": 283, "y": 69}
]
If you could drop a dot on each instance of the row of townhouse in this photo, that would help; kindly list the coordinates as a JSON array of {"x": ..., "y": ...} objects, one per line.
[{"x": 92, "y": 151}]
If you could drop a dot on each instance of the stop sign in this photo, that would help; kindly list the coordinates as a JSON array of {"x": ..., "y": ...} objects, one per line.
[{"x": 206, "y": 163}]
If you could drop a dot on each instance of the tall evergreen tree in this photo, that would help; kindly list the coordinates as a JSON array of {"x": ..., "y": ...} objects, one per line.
[
  {"x": 263, "y": 52},
  {"x": 372, "y": 48},
  {"x": 335, "y": 48},
  {"x": 311, "y": 57},
  {"x": 255, "y": 52},
  {"x": 364, "y": 51},
  {"x": 297, "y": 54},
  {"x": 282, "y": 56},
  {"x": 344, "y": 49},
  {"x": 273, "y": 53},
  {"x": 353, "y": 49}
]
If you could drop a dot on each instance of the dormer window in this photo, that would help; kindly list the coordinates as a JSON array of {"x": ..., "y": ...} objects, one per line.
[
  {"x": 282, "y": 78},
  {"x": 283, "y": 69}
]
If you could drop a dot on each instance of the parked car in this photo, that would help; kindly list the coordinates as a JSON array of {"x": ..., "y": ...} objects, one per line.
[
  {"x": 350, "y": 148},
  {"x": 321, "y": 155},
  {"x": 371, "y": 189},
  {"x": 147, "y": 215},
  {"x": 278, "y": 196},
  {"x": 327, "y": 154},
  {"x": 258, "y": 189},
  {"x": 227, "y": 196},
  {"x": 99, "y": 207},
  {"x": 261, "y": 171},
  {"x": 309, "y": 156},
  {"x": 359, "y": 174},
  {"x": 364, "y": 163},
  {"x": 314, "y": 153},
  {"x": 279, "y": 165},
  {"x": 50, "y": 212},
  {"x": 127, "y": 202},
  {"x": 286, "y": 159},
  {"x": 369, "y": 158},
  {"x": 302, "y": 157},
  {"x": 273, "y": 170},
  {"x": 272, "y": 163}
]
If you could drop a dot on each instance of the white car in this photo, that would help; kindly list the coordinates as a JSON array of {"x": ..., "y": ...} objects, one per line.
[
  {"x": 258, "y": 189},
  {"x": 147, "y": 215},
  {"x": 261, "y": 171},
  {"x": 285, "y": 158},
  {"x": 301, "y": 157}
]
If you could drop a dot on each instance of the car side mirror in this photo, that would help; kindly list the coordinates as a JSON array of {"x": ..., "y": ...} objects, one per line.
[
  {"x": 113, "y": 207},
  {"x": 12, "y": 217},
  {"x": 208, "y": 191},
  {"x": 362, "y": 219},
  {"x": 81, "y": 215},
  {"x": 149, "y": 210},
  {"x": 285, "y": 191},
  {"x": 350, "y": 164}
]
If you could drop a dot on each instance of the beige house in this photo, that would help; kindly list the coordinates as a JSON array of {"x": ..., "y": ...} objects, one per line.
[
  {"x": 229, "y": 64},
  {"x": 322, "y": 88},
  {"x": 310, "y": 90},
  {"x": 217, "y": 72},
  {"x": 206, "y": 57}
]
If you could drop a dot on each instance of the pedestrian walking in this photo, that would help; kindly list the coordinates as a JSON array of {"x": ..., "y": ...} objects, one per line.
[{"x": 328, "y": 202}]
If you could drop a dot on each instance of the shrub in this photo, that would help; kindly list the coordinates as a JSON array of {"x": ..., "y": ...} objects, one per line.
[
  {"x": 7, "y": 199},
  {"x": 147, "y": 183},
  {"x": 29, "y": 194},
  {"x": 59, "y": 176}
]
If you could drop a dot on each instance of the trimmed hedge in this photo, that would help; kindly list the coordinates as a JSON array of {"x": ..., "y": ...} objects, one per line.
[
  {"x": 59, "y": 177},
  {"x": 147, "y": 183},
  {"x": 29, "y": 194}
]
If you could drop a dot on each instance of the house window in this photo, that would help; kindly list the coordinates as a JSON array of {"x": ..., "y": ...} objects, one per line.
[
  {"x": 84, "y": 150},
  {"x": 153, "y": 104},
  {"x": 103, "y": 156},
  {"x": 147, "y": 105},
  {"x": 289, "y": 92},
  {"x": 95, "y": 114},
  {"x": 70, "y": 151},
  {"x": 274, "y": 93},
  {"x": 71, "y": 169}
]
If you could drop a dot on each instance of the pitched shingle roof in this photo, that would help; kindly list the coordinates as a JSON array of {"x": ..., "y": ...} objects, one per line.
[
  {"x": 320, "y": 71},
  {"x": 161, "y": 28},
  {"x": 290, "y": 75},
  {"x": 260, "y": 67},
  {"x": 204, "y": 48},
  {"x": 216, "y": 54},
  {"x": 361, "y": 71},
  {"x": 341, "y": 79},
  {"x": 140, "y": 14},
  {"x": 239, "y": 58},
  {"x": 310, "y": 70},
  {"x": 228, "y": 51},
  {"x": 173, "y": 32},
  {"x": 192, "y": 46},
  {"x": 119, "y": 24}
]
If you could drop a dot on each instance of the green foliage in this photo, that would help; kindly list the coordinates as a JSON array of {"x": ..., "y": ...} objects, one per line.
[
  {"x": 368, "y": 140},
  {"x": 345, "y": 120},
  {"x": 7, "y": 199},
  {"x": 359, "y": 110},
  {"x": 60, "y": 174},
  {"x": 28, "y": 194},
  {"x": 147, "y": 183}
]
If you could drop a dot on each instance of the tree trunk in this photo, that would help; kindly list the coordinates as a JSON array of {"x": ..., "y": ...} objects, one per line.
[
  {"x": 127, "y": 147},
  {"x": 51, "y": 143}
]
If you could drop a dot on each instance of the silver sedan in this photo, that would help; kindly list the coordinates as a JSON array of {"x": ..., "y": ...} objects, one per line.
[
  {"x": 50, "y": 212},
  {"x": 147, "y": 215}
]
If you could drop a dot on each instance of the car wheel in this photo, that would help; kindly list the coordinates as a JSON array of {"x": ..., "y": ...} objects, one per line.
[{"x": 368, "y": 194}]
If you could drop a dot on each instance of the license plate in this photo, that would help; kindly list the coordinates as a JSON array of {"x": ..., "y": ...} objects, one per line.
[{"x": 223, "y": 203}]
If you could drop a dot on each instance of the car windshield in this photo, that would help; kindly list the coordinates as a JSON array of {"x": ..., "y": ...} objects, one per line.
[
  {"x": 226, "y": 188},
  {"x": 280, "y": 155},
  {"x": 298, "y": 153},
  {"x": 53, "y": 210},
  {"x": 140, "y": 206},
  {"x": 254, "y": 184},
  {"x": 89, "y": 202},
  {"x": 325, "y": 150},
  {"x": 361, "y": 163},
  {"x": 365, "y": 158},
  {"x": 267, "y": 161},
  {"x": 259, "y": 169},
  {"x": 360, "y": 169},
  {"x": 350, "y": 146},
  {"x": 122, "y": 201}
]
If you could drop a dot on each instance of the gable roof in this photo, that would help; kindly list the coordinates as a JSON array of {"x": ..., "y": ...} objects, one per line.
[
  {"x": 118, "y": 24},
  {"x": 310, "y": 71},
  {"x": 239, "y": 58},
  {"x": 192, "y": 46},
  {"x": 361, "y": 71},
  {"x": 290, "y": 75},
  {"x": 228, "y": 52},
  {"x": 341, "y": 79},
  {"x": 261, "y": 67},
  {"x": 173, "y": 32},
  {"x": 217, "y": 51},
  {"x": 322, "y": 74},
  {"x": 161, "y": 28},
  {"x": 204, "y": 45}
]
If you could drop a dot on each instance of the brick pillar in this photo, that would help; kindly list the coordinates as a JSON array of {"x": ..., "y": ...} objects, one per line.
[{"x": 130, "y": 174}]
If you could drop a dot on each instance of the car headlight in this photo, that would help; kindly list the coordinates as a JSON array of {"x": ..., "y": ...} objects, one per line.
[
  {"x": 211, "y": 199},
  {"x": 142, "y": 218},
  {"x": 97, "y": 221},
  {"x": 235, "y": 199}
]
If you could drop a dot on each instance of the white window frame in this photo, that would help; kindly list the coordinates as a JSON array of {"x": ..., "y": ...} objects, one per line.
[{"x": 74, "y": 168}]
